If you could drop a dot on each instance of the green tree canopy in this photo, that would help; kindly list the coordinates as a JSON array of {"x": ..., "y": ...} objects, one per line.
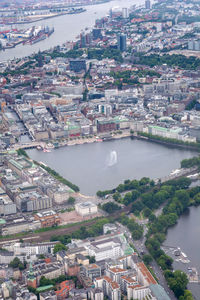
[{"x": 58, "y": 247}]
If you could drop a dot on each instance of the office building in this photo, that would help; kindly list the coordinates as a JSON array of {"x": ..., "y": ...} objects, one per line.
[
  {"x": 125, "y": 13},
  {"x": 96, "y": 33},
  {"x": 147, "y": 4},
  {"x": 82, "y": 40},
  {"x": 92, "y": 271},
  {"x": 77, "y": 65},
  {"x": 194, "y": 45},
  {"x": 121, "y": 42},
  {"x": 86, "y": 208},
  {"x": 88, "y": 38}
]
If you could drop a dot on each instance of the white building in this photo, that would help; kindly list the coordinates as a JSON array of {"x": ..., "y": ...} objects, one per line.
[
  {"x": 138, "y": 292},
  {"x": 125, "y": 13},
  {"x": 30, "y": 249},
  {"x": 109, "y": 227},
  {"x": 110, "y": 288},
  {"x": 110, "y": 248},
  {"x": 86, "y": 208}
]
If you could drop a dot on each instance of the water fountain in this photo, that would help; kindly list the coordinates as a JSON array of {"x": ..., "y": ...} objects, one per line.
[{"x": 112, "y": 158}]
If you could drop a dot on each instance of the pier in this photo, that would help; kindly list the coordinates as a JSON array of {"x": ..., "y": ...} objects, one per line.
[{"x": 29, "y": 145}]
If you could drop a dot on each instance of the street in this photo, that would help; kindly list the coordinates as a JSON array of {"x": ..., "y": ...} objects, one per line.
[{"x": 140, "y": 247}]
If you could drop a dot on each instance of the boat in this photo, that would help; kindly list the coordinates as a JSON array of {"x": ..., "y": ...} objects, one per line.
[
  {"x": 46, "y": 150},
  {"x": 50, "y": 146},
  {"x": 38, "y": 39},
  {"x": 175, "y": 172}
]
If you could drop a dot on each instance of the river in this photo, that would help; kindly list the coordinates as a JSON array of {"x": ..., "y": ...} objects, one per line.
[
  {"x": 92, "y": 168},
  {"x": 186, "y": 235},
  {"x": 66, "y": 28}
]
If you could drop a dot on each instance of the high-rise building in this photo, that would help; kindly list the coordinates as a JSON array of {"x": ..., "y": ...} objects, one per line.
[
  {"x": 110, "y": 13},
  {"x": 121, "y": 42},
  {"x": 88, "y": 38},
  {"x": 197, "y": 45},
  {"x": 147, "y": 4},
  {"x": 82, "y": 40},
  {"x": 194, "y": 45},
  {"x": 191, "y": 45},
  {"x": 125, "y": 13},
  {"x": 96, "y": 33}
]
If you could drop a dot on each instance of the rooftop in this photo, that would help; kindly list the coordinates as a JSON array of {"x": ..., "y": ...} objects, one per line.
[{"x": 159, "y": 292}]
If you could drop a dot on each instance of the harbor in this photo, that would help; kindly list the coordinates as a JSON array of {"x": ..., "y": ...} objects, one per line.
[
  {"x": 32, "y": 16},
  {"x": 13, "y": 37},
  {"x": 180, "y": 257}
]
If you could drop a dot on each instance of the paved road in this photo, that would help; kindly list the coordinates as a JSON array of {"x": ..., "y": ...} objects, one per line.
[{"x": 140, "y": 247}]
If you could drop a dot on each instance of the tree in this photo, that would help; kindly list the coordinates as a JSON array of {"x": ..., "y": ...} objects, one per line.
[
  {"x": 187, "y": 296},
  {"x": 177, "y": 282},
  {"x": 197, "y": 199},
  {"x": 127, "y": 198},
  {"x": 152, "y": 217},
  {"x": 44, "y": 281},
  {"x": 117, "y": 196},
  {"x": 110, "y": 207},
  {"x": 147, "y": 212},
  {"x": 147, "y": 259},
  {"x": 183, "y": 197},
  {"x": 16, "y": 263},
  {"x": 92, "y": 259},
  {"x": 135, "y": 195},
  {"x": 58, "y": 247},
  {"x": 71, "y": 200}
]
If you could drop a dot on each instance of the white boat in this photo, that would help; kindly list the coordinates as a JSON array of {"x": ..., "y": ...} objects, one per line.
[{"x": 46, "y": 150}]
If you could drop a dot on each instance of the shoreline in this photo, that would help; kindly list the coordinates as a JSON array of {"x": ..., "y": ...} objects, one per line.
[
  {"x": 68, "y": 6},
  {"x": 165, "y": 143},
  {"x": 39, "y": 20},
  {"x": 90, "y": 140},
  {"x": 127, "y": 135},
  {"x": 46, "y": 18},
  {"x": 61, "y": 14}
]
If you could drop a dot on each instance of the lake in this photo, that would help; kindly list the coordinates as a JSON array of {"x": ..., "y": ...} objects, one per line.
[{"x": 90, "y": 166}]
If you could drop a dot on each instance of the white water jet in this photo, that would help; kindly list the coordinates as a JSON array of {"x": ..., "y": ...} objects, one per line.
[{"x": 112, "y": 158}]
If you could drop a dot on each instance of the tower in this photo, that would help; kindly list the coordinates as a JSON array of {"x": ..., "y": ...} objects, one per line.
[
  {"x": 147, "y": 4},
  {"x": 121, "y": 42},
  {"x": 110, "y": 13},
  {"x": 82, "y": 40},
  {"x": 31, "y": 280},
  {"x": 125, "y": 13}
]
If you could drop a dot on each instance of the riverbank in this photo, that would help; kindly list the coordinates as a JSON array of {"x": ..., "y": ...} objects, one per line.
[
  {"x": 79, "y": 11},
  {"x": 64, "y": 6},
  {"x": 188, "y": 224},
  {"x": 95, "y": 139},
  {"x": 158, "y": 140},
  {"x": 78, "y": 21}
]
